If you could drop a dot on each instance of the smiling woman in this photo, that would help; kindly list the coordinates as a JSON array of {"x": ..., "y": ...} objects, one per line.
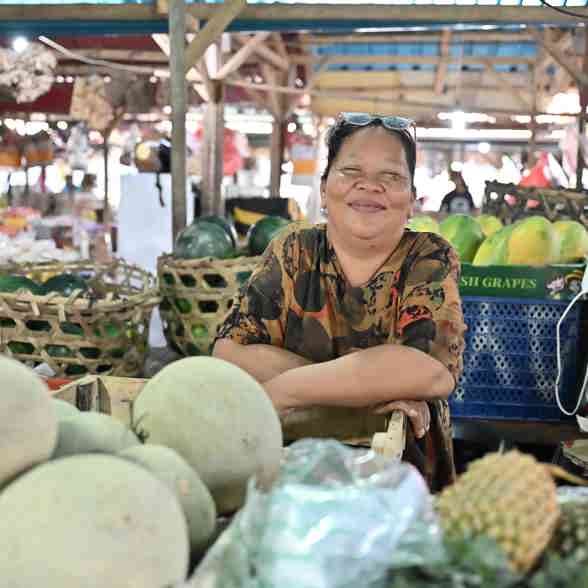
[{"x": 358, "y": 312}]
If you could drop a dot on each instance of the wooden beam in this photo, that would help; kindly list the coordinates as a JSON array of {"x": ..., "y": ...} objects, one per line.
[
  {"x": 270, "y": 56},
  {"x": 425, "y": 37},
  {"x": 563, "y": 60},
  {"x": 178, "y": 98},
  {"x": 411, "y": 60},
  {"x": 500, "y": 79},
  {"x": 275, "y": 81},
  {"x": 443, "y": 61},
  {"x": 119, "y": 55},
  {"x": 252, "y": 14},
  {"x": 239, "y": 58},
  {"x": 280, "y": 46},
  {"x": 213, "y": 29}
]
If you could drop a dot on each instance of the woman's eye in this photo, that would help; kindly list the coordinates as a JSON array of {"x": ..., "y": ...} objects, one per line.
[{"x": 350, "y": 170}]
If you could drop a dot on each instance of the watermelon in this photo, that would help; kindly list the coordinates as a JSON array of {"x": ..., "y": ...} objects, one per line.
[
  {"x": 573, "y": 241},
  {"x": 28, "y": 425},
  {"x": 173, "y": 470},
  {"x": 263, "y": 231},
  {"x": 65, "y": 284},
  {"x": 204, "y": 239},
  {"x": 9, "y": 284},
  {"x": 91, "y": 521},
  {"x": 92, "y": 432},
  {"x": 423, "y": 224},
  {"x": 225, "y": 224},
  {"x": 218, "y": 418},
  {"x": 464, "y": 233}
]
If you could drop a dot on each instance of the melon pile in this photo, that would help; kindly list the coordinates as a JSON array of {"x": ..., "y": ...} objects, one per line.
[{"x": 86, "y": 501}]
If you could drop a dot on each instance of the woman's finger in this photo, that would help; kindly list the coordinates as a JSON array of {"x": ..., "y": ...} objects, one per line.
[{"x": 415, "y": 411}]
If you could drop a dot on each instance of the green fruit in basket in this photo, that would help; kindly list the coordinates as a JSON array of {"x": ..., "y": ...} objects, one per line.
[
  {"x": 92, "y": 520},
  {"x": 199, "y": 331},
  {"x": 573, "y": 241},
  {"x": 183, "y": 305},
  {"x": 423, "y": 223},
  {"x": 203, "y": 239},
  {"x": 12, "y": 284},
  {"x": 93, "y": 432},
  {"x": 65, "y": 284},
  {"x": 28, "y": 427},
  {"x": 71, "y": 328},
  {"x": 21, "y": 348},
  {"x": 75, "y": 370},
  {"x": 175, "y": 472},
  {"x": 225, "y": 224},
  {"x": 263, "y": 231},
  {"x": 239, "y": 432},
  {"x": 59, "y": 351}
]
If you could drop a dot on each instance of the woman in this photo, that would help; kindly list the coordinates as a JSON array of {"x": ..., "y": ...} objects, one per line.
[{"x": 359, "y": 312}]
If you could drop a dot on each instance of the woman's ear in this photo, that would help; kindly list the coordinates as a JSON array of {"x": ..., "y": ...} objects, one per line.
[{"x": 323, "y": 194}]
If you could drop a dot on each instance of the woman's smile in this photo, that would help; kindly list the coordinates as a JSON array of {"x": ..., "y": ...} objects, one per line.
[{"x": 366, "y": 206}]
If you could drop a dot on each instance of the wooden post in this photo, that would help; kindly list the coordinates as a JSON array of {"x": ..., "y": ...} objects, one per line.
[
  {"x": 277, "y": 156},
  {"x": 179, "y": 93},
  {"x": 583, "y": 91},
  {"x": 213, "y": 151}
]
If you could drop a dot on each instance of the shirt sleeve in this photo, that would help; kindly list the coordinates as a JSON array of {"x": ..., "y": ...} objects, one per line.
[
  {"x": 257, "y": 312},
  {"x": 430, "y": 316}
]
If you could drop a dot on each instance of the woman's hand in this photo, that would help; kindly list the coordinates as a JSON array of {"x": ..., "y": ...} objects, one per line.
[{"x": 416, "y": 410}]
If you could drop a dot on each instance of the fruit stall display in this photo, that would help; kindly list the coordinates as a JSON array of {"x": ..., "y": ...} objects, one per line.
[
  {"x": 516, "y": 282},
  {"x": 90, "y": 500},
  {"x": 78, "y": 318},
  {"x": 200, "y": 278}
]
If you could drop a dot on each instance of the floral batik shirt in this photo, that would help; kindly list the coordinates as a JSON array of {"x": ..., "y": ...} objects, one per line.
[{"x": 298, "y": 298}]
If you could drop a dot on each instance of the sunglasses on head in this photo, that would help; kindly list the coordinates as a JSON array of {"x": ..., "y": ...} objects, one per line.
[{"x": 393, "y": 123}]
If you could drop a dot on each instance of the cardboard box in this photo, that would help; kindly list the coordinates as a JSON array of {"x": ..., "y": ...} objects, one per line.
[
  {"x": 107, "y": 394},
  {"x": 552, "y": 282}
]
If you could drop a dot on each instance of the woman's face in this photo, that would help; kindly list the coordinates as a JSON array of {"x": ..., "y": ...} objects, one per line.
[{"x": 368, "y": 192}]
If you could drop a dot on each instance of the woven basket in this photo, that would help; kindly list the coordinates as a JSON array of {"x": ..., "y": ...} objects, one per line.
[
  {"x": 77, "y": 335},
  {"x": 196, "y": 295}
]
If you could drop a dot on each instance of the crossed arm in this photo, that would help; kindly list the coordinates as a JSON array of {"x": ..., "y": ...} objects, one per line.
[{"x": 386, "y": 377}]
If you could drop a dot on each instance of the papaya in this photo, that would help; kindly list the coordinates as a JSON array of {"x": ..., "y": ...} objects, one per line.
[
  {"x": 489, "y": 224},
  {"x": 423, "y": 224},
  {"x": 464, "y": 233},
  {"x": 494, "y": 249},
  {"x": 573, "y": 241},
  {"x": 533, "y": 241}
]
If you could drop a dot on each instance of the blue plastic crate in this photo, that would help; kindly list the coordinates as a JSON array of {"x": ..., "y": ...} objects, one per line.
[{"x": 510, "y": 363}]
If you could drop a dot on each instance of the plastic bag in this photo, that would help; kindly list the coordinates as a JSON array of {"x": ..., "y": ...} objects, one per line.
[{"x": 336, "y": 517}]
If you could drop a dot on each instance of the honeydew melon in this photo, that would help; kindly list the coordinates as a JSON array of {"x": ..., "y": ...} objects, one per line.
[
  {"x": 92, "y": 432},
  {"x": 63, "y": 409},
  {"x": 175, "y": 472},
  {"x": 91, "y": 521},
  {"x": 218, "y": 418},
  {"x": 28, "y": 425}
]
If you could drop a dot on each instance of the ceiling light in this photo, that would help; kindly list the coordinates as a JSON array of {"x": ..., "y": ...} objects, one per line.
[{"x": 20, "y": 44}]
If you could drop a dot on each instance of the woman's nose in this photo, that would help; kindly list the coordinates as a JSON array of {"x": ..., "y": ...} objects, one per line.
[{"x": 368, "y": 183}]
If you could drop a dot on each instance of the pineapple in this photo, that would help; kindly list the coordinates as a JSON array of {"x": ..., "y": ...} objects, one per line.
[
  {"x": 571, "y": 536},
  {"x": 508, "y": 497}
]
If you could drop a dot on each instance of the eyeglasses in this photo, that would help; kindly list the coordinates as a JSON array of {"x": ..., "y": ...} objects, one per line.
[{"x": 393, "y": 123}]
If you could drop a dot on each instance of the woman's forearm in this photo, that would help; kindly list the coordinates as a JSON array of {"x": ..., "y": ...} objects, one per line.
[
  {"x": 263, "y": 362},
  {"x": 365, "y": 378}
]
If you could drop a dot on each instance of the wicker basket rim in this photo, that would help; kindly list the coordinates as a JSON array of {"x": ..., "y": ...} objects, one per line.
[
  {"x": 170, "y": 260},
  {"x": 149, "y": 294}
]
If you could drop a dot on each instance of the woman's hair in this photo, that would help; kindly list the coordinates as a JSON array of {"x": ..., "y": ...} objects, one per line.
[{"x": 341, "y": 130}]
